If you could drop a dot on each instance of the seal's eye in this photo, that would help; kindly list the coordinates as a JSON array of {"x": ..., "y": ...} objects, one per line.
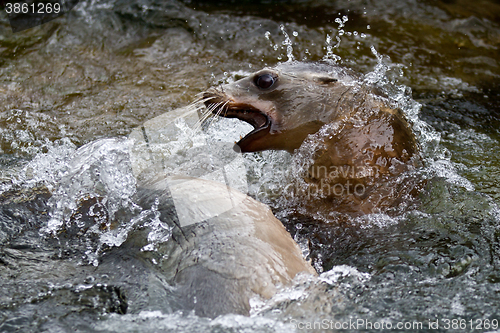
[{"x": 265, "y": 81}]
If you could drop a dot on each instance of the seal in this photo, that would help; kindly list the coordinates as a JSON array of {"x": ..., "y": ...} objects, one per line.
[
  {"x": 217, "y": 260},
  {"x": 361, "y": 140}
]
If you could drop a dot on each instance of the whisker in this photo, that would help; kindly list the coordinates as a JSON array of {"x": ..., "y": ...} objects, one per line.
[
  {"x": 225, "y": 107},
  {"x": 207, "y": 109},
  {"x": 202, "y": 120},
  {"x": 206, "y": 115},
  {"x": 217, "y": 107},
  {"x": 200, "y": 105}
]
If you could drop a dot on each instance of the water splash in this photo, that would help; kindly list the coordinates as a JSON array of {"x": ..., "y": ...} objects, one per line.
[
  {"x": 45, "y": 168},
  {"x": 156, "y": 321},
  {"x": 288, "y": 43},
  {"x": 436, "y": 157},
  {"x": 98, "y": 169},
  {"x": 330, "y": 56},
  {"x": 89, "y": 187}
]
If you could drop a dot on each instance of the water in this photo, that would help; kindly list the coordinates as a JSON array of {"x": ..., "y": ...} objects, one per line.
[{"x": 73, "y": 88}]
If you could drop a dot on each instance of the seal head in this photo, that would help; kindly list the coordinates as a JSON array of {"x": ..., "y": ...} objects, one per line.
[{"x": 284, "y": 104}]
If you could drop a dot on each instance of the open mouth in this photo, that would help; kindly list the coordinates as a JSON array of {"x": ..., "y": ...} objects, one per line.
[{"x": 258, "y": 119}]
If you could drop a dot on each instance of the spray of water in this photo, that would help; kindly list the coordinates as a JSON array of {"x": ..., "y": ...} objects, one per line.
[
  {"x": 288, "y": 43},
  {"x": 330, "y": 55}
]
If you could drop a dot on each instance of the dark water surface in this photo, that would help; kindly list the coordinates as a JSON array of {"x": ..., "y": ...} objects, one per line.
[{"x": 108, "y": 66}]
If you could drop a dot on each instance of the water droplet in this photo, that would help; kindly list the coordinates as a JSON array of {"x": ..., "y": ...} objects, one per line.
[
  {"x": 267, "y": 35},
  {"x": 288, "y": 43},
  {"x": 295, "y": 33},
  {"x": 89, "y": 279}
]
